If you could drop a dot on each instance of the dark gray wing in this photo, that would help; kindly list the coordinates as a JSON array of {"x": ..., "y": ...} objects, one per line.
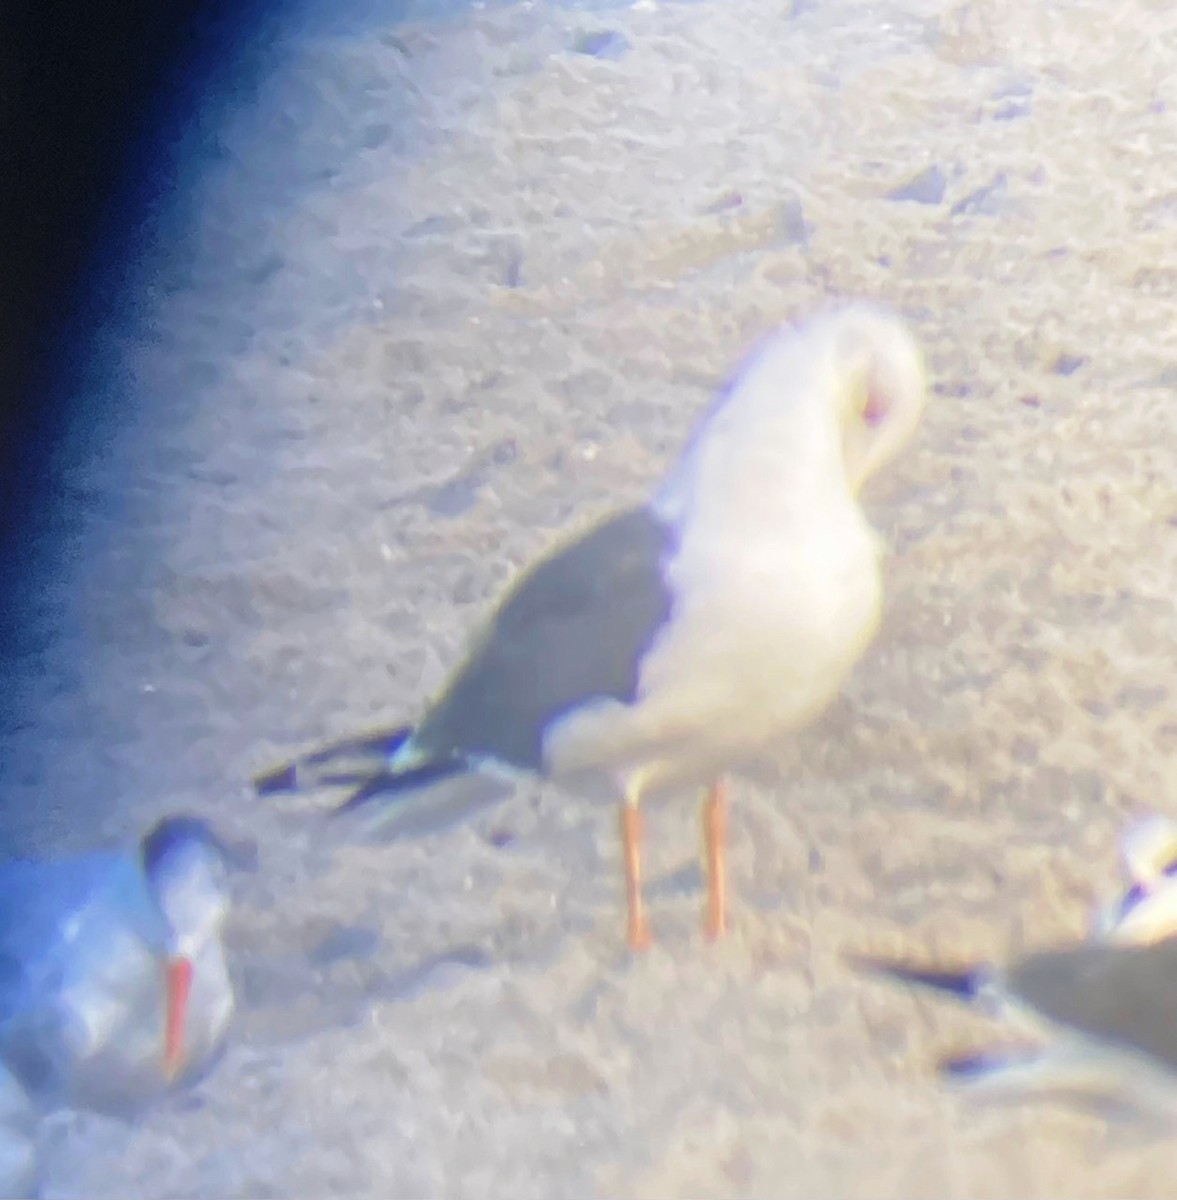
[
  {"x": 573, "y": 628},
  {"x": 1121, "y": 994}
]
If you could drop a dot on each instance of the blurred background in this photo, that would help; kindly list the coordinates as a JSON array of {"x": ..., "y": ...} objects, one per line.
[{"x": 96, "y": 111}]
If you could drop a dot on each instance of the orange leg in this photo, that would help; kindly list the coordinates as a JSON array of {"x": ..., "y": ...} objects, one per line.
[
  {"x": 631, "y": 836},
  {"x": 714, "y": 837}
]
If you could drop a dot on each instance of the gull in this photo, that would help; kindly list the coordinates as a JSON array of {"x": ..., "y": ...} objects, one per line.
[
  {"x": 113, "y": 981},
  {"x": 670, "y": 642},
  {"x": 1101, "y": 1009}
]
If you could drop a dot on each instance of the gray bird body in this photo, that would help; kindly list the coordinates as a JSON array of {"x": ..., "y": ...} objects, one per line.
[
  {"x": 1103, "y": 1009},
  {"x": 82, "y": 943},
  {"x": 1121, "y": 996},
  {"x": 1105, "y": 1017}
]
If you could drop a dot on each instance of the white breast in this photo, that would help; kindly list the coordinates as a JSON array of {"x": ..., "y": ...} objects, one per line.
[{"x": 763, "y": 641}]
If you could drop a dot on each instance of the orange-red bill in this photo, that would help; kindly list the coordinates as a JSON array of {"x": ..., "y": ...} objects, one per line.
[{"x": 177, "y": 988}]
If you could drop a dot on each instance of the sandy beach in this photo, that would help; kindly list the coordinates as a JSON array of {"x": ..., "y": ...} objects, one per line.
[{"x": 437, "y": 290}]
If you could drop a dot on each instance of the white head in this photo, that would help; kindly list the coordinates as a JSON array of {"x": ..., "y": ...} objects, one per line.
[
  {"x": 822, "y": 404},
  {"x": 188, "y": 870},
  {"x": 881, "y": 388}
]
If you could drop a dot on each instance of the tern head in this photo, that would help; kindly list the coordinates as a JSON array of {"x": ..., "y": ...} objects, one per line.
[{"x": 188, "y": 869}]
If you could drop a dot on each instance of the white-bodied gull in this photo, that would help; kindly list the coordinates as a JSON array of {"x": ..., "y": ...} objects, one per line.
[{"x": 672, "y": 641}]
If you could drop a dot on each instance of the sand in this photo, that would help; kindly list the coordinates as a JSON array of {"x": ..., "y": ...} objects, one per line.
[{"x": 436, "y": 291}]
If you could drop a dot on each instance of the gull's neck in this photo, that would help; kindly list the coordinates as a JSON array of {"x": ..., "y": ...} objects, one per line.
[{"x": 758, "y": 453}]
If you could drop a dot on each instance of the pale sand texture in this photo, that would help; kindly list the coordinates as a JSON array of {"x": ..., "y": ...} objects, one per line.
[{"x": 448, "y": 290}]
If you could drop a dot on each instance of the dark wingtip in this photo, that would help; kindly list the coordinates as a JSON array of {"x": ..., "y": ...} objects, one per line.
[
  {"x": 281, "y": 779},
  {"x": 368, "y": 790},
  {"x": 870, "y": 964},
  {"x": 960, "y": 982},
  {"x": 981, "y": 1063},
  {"x": 347, "y": 762},
  {"x": 970, "y": 1066},
  {"x": 389, "y": 783},
  {"x": 381, "y": 743}
]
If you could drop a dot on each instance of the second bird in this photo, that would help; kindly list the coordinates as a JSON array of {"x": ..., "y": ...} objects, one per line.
[
  {"x": 673, "y": 641},
  {"x": 113, "y": 982}
]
